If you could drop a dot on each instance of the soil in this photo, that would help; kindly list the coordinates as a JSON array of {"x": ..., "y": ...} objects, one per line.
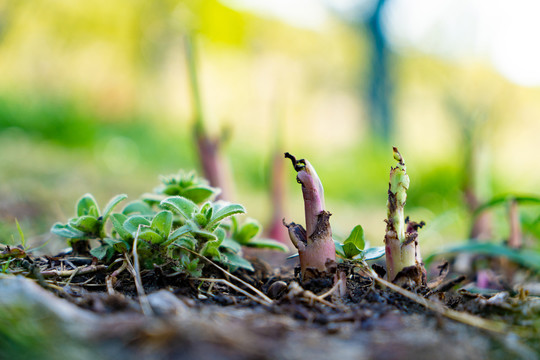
[{"x": 102, "y": 313}]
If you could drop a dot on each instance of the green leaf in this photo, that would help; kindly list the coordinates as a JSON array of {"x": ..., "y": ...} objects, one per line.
[
  {"x": 21, "y": 234},
  {"x": 180, "y": 205},
  {"x": 355, "y": 243},
  {"x": 87, "y": 224},
  {"x": 112, "y": 204},
  {"x": 211, "y": 249},
  {"x": 356, "y": 237},
  {"x": 201, "y": 220},
  {"x": 223, "y": 210},
  {"x": 524, "y": 257},
  {"x": 152, "y": 199},
  {"x": 220, "y": 234},
  {"x": 193, "y": 268},
  {"x": 267, "y": 244},
  {"x": 231, "y": 244},
  {"x": 119, "y": 245},
  {"x": 373, "y": 253},
  {"x": 118, "y": 221},
  {"x": 138, "y": 206},
  {"x": 200, "y": 233},
  {"x": 67, "y": 231},
  {"x": 207, "y": 210},
  {"x": 87, "y": 205},
  {"x": 199, "y": 194},
  {"x": 181, "y": 231},
  {"x": 171, "y": 190},
  {"x": 247, "y": 231},
  {"x": 187, "y": 242},
  {"x": 504, "y": 199},
  {"x": 162, "y": 223},
  {"x": 236, "y": 260},
  {"x": 339, "y": 249},
  {"x": 133, "y": 222},
  {"x": 150, "y": 236},
  {"x": 102, "y": 252}
]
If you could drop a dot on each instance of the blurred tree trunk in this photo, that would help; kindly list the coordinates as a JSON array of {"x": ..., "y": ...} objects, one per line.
[{"x": 380, "y": 83}]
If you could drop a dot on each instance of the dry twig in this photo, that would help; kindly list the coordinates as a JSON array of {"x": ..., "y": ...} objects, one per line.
[
  {"x": 83, "y": 270},
  {"x": 135, "y": 272},
  {"x": 240, "y": 290},
  {"x": 252, "y": 288}
]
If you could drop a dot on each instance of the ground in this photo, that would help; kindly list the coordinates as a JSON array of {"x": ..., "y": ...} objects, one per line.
[{"x": 48, "y": 314}]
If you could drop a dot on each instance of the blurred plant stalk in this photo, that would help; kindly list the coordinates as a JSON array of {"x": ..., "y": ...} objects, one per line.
[
  {"x": 277, "y": 193},
  {"x": 213, "y": 164}
]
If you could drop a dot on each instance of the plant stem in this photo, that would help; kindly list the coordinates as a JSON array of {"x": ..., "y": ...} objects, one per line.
[
  {"x": 209, "y": 149},
  {"x": 401, "y": 237},
  {"x": 315, "y": 245}
]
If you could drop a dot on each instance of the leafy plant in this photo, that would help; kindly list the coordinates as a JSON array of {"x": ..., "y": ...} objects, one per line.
[
  {"x": 356, "y": 248},
  {"x": 204, "y": 234},
  {"x": 11, "y": 254},
  {"x": 174, "y": 229},
  {"x": 89, "y": 222}
]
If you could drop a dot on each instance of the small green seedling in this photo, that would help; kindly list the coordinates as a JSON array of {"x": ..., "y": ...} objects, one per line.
[
  {"x": 356, "y": 248},
  {"x": 13, "y": 254},
  {"x": 89, "y": 222}
]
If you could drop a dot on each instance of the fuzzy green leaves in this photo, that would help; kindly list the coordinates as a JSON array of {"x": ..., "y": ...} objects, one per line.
[
  {"x": 162, "y": 223},
  {"x": 112, "y": 204},
  {"x": 66, "y": 231},
  {"x": 246, "y": 235},
  {"x": 169, "y": 226},
  {"x": 203, "y": 232},
  {"x": 208, "y": 217},
  {"x": 222, "y": 210},
  {"x": 89, "y": 223},
  {"x": 185, "y": 207},
  {"x": 188, "y": 186}
]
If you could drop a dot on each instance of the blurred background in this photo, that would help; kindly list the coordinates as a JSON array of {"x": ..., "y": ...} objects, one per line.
[{"x": 99, "y": 97}]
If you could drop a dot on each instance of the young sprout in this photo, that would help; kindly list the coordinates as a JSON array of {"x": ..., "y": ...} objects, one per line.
[
  {"x": 402, "y": 250},
  {"x": 315, "y": 246}
]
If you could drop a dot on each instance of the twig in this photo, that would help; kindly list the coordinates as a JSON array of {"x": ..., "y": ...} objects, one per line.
[
  {"x": 240, "y": 290},
  {"x": 85, "y": 283},
  {"x": 72, "y": 276},
  {"x": 135, "y": 272},
  {"x": 297, "y": 291},
  {"x": 80, "y": 271},
  {"x": 113, "y": 276},
  {"x": 70, "y": 263},
  {"x": 334, "y": 288},
  {"x": 252, "y": 288}
]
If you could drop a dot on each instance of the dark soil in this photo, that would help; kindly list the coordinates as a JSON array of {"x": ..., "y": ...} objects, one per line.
[{"x": 195, "y": 319}]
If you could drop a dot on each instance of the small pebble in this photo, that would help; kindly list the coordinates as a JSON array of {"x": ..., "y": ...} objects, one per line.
[{"x": 276, "y": 289}]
